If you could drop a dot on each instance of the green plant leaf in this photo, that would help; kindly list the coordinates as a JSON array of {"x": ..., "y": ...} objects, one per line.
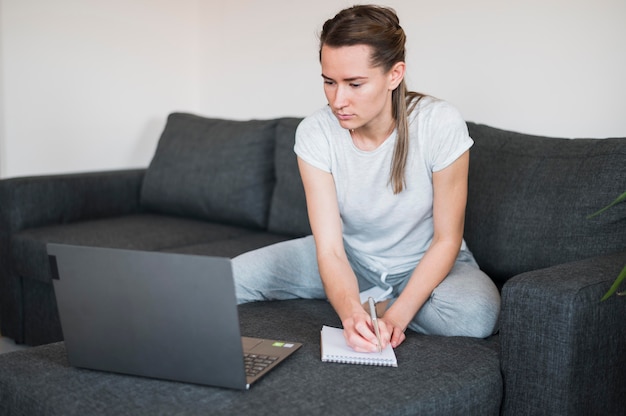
[
  {"x": 619, "y": 199},
  {"x": 615, "y": 285},
  {"x": 622, "y": 276}
]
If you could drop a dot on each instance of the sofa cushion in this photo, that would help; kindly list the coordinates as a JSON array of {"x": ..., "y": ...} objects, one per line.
[
  {"x": 529, "y": 198},
  {"x": 435, "y": 376},
  {"x": 230, "y": 247},
  {"x": 212, "y": 169},
  {"x": 137, "y": 232},
  {"x": 288, "y": 213}
]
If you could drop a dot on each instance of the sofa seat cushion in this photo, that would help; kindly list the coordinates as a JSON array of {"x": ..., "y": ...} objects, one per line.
[
  {"x": 212, "y": 169},
  {"x": 435, "y": 375},
  {"x": 230, "y": 247},
  {"x": 529, "y": 198},
  {"x": 140, "y": 232}
]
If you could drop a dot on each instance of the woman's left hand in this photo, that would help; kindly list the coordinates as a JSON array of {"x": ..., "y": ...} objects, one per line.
[{"x": 396, "y": 331}]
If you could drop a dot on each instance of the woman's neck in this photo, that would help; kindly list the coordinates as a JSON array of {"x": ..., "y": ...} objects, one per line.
[{"x": 370, "y": 138}]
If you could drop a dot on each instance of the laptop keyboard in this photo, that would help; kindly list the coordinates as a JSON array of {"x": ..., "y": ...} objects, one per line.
[{"x": 256, "y": 363}]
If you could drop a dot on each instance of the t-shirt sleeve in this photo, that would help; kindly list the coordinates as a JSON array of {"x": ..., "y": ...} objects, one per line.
[
  {"x": 447, "y": 136},
  {"x": 312, "y": 143}
]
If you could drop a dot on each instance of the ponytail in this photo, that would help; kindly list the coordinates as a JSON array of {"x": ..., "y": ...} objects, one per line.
[{"x": 403, "y": 104}]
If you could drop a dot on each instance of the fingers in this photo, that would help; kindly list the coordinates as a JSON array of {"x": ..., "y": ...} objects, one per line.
[
  {"x": 360, "y": 336},
  {"x": 395, "y": 333},
  {"x": 397, "y": 337},
  {"x": 385, "y": 332}
]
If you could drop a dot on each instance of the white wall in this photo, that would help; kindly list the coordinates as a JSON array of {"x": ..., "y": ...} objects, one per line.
[{"x": 87, "y": 84}]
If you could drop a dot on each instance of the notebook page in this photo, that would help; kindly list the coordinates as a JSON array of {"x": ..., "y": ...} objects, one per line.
[{"x": 335, "y": 349}]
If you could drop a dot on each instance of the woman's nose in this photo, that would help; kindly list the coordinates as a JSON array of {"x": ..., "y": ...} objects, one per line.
[{"x": 340, "y": 99}]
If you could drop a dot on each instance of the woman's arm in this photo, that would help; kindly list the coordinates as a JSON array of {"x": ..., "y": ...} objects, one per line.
[
  {"x": 338, "y": 278},
  {"x": 449, "y": 201}
]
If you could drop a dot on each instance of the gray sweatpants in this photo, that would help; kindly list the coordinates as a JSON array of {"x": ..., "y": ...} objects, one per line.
[{"x": 466, "y": 302}]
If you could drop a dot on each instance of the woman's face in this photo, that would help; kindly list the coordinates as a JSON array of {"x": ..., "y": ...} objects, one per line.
[{"x": 358, "y": 94}]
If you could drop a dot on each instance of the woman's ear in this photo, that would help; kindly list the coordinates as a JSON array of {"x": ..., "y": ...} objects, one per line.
[{"x": 396, "y": 75}]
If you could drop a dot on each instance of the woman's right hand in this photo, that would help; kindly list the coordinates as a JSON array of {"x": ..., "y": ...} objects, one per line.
[{"x": 359, "y": 333}]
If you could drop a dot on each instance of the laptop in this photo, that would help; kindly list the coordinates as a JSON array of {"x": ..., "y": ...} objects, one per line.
[{"x": 154, "y": 314}]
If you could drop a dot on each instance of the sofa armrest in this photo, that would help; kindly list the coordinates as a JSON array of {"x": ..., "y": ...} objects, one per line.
[
  {"x": 45, "y": 200},
  {"x": 30, "y": 202},
  {"x": 563, "y": 351}
]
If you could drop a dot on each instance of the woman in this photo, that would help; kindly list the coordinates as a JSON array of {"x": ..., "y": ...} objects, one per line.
[{"x": 385, "y": 176}]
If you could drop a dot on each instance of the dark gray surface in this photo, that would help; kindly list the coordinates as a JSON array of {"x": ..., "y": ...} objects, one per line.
[
  {"x": 557, "y": 337},
  {"x": 149, "y": 232},
  {"x": 288, "y": 212},
  {"x": 213, "y": 169},
  {"x": 529, "y": 198},
  {"x": 435, "y": 376}
]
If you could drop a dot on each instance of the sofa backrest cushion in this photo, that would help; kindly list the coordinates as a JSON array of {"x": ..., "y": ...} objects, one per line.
[
  {"x": 529, "y": 198},
  {"x": 212, "y": 169},
  {"x": 288, "y": 213}
]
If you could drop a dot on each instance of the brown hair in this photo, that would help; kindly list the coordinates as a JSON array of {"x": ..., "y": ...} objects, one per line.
[{"x": 379, "y": 28}]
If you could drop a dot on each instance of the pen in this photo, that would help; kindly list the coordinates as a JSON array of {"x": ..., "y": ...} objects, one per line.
[{"x": 375, "y": 322}]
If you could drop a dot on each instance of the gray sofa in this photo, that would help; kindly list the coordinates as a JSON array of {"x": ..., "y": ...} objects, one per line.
[{"x": 223, "y": 187}]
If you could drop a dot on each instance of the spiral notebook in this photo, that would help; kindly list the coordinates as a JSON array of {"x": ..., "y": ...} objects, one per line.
[{"x": 335, "y": 350}]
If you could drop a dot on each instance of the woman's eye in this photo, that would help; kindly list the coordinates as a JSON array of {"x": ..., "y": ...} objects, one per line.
[{"x": 353, "y": 85}]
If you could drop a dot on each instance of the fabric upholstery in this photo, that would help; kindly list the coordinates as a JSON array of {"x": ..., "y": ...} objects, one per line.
[
  {"x": 529, "y": 198},
  {"x": 55, "y": 199},
  {"x": 556, "y": 335},
  {"x": 138, "y": 232},
  {"x": 41, "y": 319},
  {"x": 435, "y": 375},
  {"x": 288, "y": 213},
  {"x": 230, "y": 247},
  {"x": 212, "y": 169},
  {"x": 42, "y": 200}
]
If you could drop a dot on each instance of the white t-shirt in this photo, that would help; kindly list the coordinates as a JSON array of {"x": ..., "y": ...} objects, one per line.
[{"x": 386, "y": 232}]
